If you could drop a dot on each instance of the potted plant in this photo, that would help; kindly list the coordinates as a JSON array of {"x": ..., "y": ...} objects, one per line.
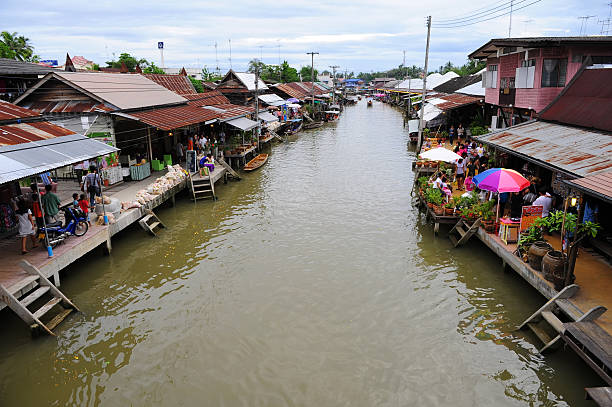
[
  {"x": 532, "y": 235},
  {"x": 449, "y": 208},
  {"x": 485, "y": 210}
]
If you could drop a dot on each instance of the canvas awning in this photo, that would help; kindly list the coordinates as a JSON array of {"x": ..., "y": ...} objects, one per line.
[
  {"x": 27, "y": 159},
  {"x": 242, "y": 123},
  {"x": 267, "y": 117}
]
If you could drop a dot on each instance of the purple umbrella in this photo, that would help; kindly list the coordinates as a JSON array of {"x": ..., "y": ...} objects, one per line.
[{"x": 293, "y": 100}]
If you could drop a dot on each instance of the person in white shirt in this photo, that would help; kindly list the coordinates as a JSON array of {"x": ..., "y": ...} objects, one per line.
[
  {"x": 545, "y": 200},
  {"x": 480, "y": 150}
]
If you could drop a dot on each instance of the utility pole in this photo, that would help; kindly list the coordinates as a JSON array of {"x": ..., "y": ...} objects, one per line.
[
  {"x": 510, "y": 22},
  {"x": 333, "y": 67},
  {"x": 257, "y": 102},
  {"x": 404, "y": 65},
  {"x": 422, "y": 112},
  {"x": 312, "y": 54}
]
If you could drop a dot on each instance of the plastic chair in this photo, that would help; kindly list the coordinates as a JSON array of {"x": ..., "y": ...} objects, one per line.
[
  {"x": 168, "y": 159},
  {"x": 157, "y": 165}
]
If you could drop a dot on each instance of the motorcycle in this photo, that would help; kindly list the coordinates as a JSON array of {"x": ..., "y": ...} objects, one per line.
[{"x": 76, "y": 225}]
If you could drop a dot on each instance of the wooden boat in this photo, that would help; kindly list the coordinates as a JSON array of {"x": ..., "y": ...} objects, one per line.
[
  {"x": 256, "y": 162},
  {"x": 295, "y": 129},
  {"x": 313, "y": 125}
]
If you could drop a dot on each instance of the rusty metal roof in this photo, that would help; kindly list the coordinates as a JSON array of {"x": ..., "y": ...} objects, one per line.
[
  {"x": 598, "y": 185},
  {"x": 179, "y": 84},
  {"x": 457, "y": 100},
  {"x": 170, "y": 118},
  {"x": 491, "y": 47},
  {"x": 9, "y": 111},
  {"x": 584, "y": 101},
  {"x": 66, "y": 106},
  {"x": 213, "y": 97},
  {"x": 569, "y": 149},
  {"x": 18, "y": 133}
]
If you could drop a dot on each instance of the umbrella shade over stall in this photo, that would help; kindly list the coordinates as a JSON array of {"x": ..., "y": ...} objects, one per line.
[
  {"x": 500, "y": 180},
  {"x": 293, "y": 100},
  {"x": 440, "y": 154}
]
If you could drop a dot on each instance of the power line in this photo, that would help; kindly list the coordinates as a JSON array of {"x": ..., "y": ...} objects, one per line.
[
  {"x": 487, "y": 19},
  {"x": 471, "y": 13},
  {"x": 470, "y": 16}
]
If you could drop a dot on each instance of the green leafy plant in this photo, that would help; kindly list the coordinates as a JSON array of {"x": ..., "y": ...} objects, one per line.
[
  {"x": 434, "y": 196},
  {"x": 423, "y": 182},
  {"x": 589, "y": 228},
  {"x": 533, "y": 234}
]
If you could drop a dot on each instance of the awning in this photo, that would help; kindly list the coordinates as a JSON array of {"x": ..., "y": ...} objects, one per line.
[
  {"x": 598, "y": 185},
  {"x": 27, "y": 159},
  {"x": 242, "y": 123},
  {"x": 267, "y": 117},
  {"x": 272, "y": 100},
  {"x": 169, "y": 118},
  {"x": 576, "y": 151}
]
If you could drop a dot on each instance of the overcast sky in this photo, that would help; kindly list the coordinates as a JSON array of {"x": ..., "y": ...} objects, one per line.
[{"x": 358, "y": 35}]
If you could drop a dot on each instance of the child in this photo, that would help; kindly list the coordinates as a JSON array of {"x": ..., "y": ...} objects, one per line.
[
  {"x": 75, "y": 200},
  {"x": 26, "y": 225},
  {"x": 84, "y": 205},
  {"x": 37, "y": 211},
  {"x": 469, "y": 185}
]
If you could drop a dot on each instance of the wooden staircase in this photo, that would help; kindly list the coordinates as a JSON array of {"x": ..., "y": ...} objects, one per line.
[
  {"x": 202, "y": 188},
  {"x": 276, "y": 136},
  {"x": 42, "y": 287},
  {"x": 150, "y": 222},
  {"x": 227, "y": 167},
  {"x": 461, "y": 232},
  {"x": 558, "y": 303}
]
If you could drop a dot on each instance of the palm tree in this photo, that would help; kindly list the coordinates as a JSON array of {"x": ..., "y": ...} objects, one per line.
[{"x": 19, "y": 45}]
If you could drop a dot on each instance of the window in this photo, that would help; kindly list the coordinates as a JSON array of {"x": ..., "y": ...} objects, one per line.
[
  {"x": 489, "y": 78},
  {"x": 506, "y": 83},
  {"x": 554, "y": 73},
  {"x": 527, "y": 63}
]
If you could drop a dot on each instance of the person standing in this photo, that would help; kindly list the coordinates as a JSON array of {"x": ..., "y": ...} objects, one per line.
[
  {"x": 460, "y": 132},
  {"x": 460, "y": 173},
  {"x": 50, "y": 203},
  {"x": 451, "y": 134},
  {"x": 179, "y": 152},
  {"x": 92, "y": 186},
  {"x": 26, "y": 225}
]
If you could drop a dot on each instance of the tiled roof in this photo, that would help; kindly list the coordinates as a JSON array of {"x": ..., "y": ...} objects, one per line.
[
  {"x": 9, "y": 111},
  {"x": 176, "y": 83}
]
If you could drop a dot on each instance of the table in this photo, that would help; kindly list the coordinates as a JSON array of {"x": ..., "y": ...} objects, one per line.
[
  {"x": 139, "y": 172},
  {"x": 509, "y": 230}
]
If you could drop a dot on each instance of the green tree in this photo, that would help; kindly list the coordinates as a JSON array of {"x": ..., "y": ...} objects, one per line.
[
  {"x": 129, "y": 61},
  {"x": 17, "y": 47},
  {"x": 306, "y": 74},
  {"x": 210, "y": 76},
  {"x": 287, "y": 73},
  {"x": 197, "y": 84},
  {"x": 152, "y": 68}
]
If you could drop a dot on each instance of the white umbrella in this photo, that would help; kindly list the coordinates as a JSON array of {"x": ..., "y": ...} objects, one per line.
[{"x": 440, "y": 154}]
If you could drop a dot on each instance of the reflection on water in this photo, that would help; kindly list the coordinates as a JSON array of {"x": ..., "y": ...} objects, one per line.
[{"x": 312, "y": 281}]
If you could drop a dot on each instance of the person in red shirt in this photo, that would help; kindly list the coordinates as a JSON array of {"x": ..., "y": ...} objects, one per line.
[{"x": 84, "y": 205}]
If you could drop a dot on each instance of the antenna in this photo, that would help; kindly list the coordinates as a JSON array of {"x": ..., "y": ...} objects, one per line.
[
  {"x": 217, "y": 59},
  {"x": 510, "y": 21},
  {"x": 404, "y": 64},
  {"x": 230, "y": 58},
  {"x": 260, "y": 52},
  {"x": 583, "y": 23}
]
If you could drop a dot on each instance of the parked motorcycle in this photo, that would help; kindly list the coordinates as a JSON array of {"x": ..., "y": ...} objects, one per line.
[{"x": 76, "y": 225}]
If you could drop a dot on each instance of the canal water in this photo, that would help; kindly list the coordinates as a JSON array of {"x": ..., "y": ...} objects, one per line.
[{"x": 311, "y": 282}]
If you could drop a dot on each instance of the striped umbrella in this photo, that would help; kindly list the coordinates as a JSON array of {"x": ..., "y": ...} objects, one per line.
[{"x": 500, "y": 180}]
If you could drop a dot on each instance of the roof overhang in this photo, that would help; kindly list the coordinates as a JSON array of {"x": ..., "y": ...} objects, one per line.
[
  {"x": 27, "y": 159},
  {"x": 242, "y": 123}
]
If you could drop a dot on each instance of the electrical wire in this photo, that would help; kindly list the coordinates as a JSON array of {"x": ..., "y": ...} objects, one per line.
[
  {"x": 482, "y": 10},
  {"x": 487, "y": 19}
]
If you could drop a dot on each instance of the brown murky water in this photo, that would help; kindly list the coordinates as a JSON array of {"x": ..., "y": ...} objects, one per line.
[{"x": 311, "y": 282}]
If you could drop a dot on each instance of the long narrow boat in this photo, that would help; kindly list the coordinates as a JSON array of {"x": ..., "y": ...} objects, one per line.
[
  {"x": 256, "y": 162},
  {"x": 313, "y": 125}
]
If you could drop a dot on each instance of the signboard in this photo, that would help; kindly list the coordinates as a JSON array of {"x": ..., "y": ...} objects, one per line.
[
  {"x": 529, "y": 215},
  {"x": 413, "y": 126},
  {"x": 50, "y": 62},
  {"x": 160, "y": 45}
]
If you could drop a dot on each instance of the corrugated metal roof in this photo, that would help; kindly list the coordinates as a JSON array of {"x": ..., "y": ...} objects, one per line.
[
  {"x": 599, "y": 185},
  {"x": 449, "y": 102},
  {"x": 267, "y": 117},
  {"x": 272, "y": 99},
  {"x": 176, "y": 83},
  {"x": 126, "y": 91},
  {"x": 32, "y": 158},
  {"x": 19, "y": 133},
  {"x": 586, "y": 101},
  {"x": 9, "y": 111},
  {"x": 242, "y": 123},
  {"x": 211, "y": 98},
  {"x": 538, "y": 42},
  {"x": 66, "y": 106},
  {"x": 170, "y": 118},
  {"x": 14, "y": 67},
  {"x": 570, "y": 149},
  {"x": 248, "y": 79}
]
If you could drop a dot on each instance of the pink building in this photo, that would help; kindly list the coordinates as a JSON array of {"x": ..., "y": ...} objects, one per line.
[{"x": 524, "y": 75}]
